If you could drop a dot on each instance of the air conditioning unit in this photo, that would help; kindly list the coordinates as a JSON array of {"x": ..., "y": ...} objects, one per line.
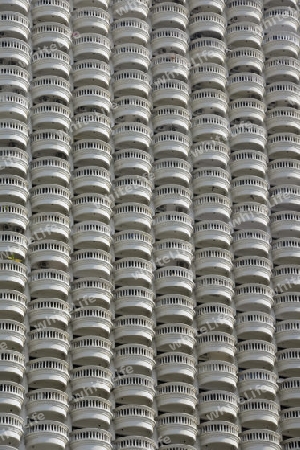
[
  {"x": 6, "y": 227},
  {"x": 44, "y": 265}
]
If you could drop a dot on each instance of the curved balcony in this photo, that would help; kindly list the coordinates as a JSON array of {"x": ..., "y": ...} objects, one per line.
[
  {"x": 176, "y": 397},
  {"x": 15, "y": 77},
  {"x": 13, "y": 188},
  {"x": 283, "y": 119},
  {"x": 91, "y": 350},
  {"x": 211, "y": 179},
  {"x": 260, "y": 439},
  {"x": 247, "y": 109},
  {"x": 216, "y": 49},
  {"x": 53, "y": 61},
  {"x": 174, "y": 336},
  {"x": 91, "y": 152},
  {"x": 50, "y": 434},
  {"x": 13, "y": 305},
  {"x": 12, "y": 333},
  {"x": 215, "y": 345},
  {"x": 290, "y": 444},
  {"x": 134, "y": 419},
  {"x": 13, "y": 132},
  {"x": 132, "y": 108},
  {"x": 54, "y": 225},
  {"x": 287, "y": 362},
  {"x": 212, "y": 288},
  {"x": 11, "y": 428},
  {"x": 133, "y": 329},
  {"x": 130, "y": 29},
  {"x": 212, "y": 233},
  {"x": 181, "y": 428},
  {"x": 91, "y": 125},
  {"x": 206, "y": 101},
  {"x": 91, "y": 234},
  {"x": 289, "y": 420},
  {"x": 91, "y": 71},
  {"x": 132, "y": 134},
  {"x": 214, "y": 433},
  {"x": 134, "y": 160},
  {"x": 45, "y": 312},
  {"x": 215, "y": 374},
  {"x": 279, "y": 225},
  {"x": 245, "y": 59},
  {"x": 139, "y": 8},
  {"x": 13, "y": 274},
  {"x": 170, "y": 91},
  {"x": 46, "y": 33},
  {"x": 289, "y": 391},
  {"x": 256, "y": 353},
  {"x": 91, "y": 411},
  {"x": 90, "y": 19},
  {"x": 91, "y": 46},
  {"x": 287, "y": 306},
  {"x": 280, "y": 67},
  {"x": 251, "y": 242},
  {"x": 47, "y": 373},
  {"x": 262, "y": 382},
  {"x": 173, "y": 279},
  {"x": 210, "y": 153},
  {"x": 175, "y": 366},
  {"x": 172, "y": 250},
  {"x": 284, "y": 171},
  {"x": 207, "y": 125},
  {"x": 51, "y": 10},
  {"x": 245, "y": 85},
  {"x": 12, "y": 365},
  {"x": 91, "y": 380},
  {"x": 53, "y": 403},
  {"x": 173, "y": 195},
  {"x": 134, "y": 388},
  {"x": 174, "y": 225},
  {"x": 248, "y": 215},
  {"x": 131, "y": 82},
  {"x": 12, "y": 243},
  {"x": 132, "y": 243},
  {"x": 22, "y": 5},
  {"x": 91, "y": 96},
  {"x": 287, "y": 333},
  {"x": 91, "y": 207},
  {"x": 127, "y": 213},
  {"x": 51, "y": 88},
  {"x": 252, "y": 269},
  {"x": 169, "y": 40},
  {"x": 171, "y": 118},
  {"x": 283, "y": 93},
  {"x": 244, "y": 10},
  {"x": 89, "y": 290},
  {"x": 284, "y": 197},
  {"x": 171, "y": 144},
  {"x": 283, "y": 16},
  {"x": 91, "y": 438},
  {"x": 248, "y": 162},
  {"x": 88, "y": 319},
  {"x": 12, "y": 397},
  {"x": 215, "y": 5},
  {"x": 218, "y": 403},
  {"x": 244, "y": 33},
  {"x": 278, "y": 43},
  {"x": 168, "y": 14},
  {"x": 215, "y": 315},
  {"x": 138, "y": 356},
  {"x": 50, "y": 169},
  {"x": 50, "y": 114},
  {"x": 91, "y": 262},
  {"x": 256, "y": 325},
  {"x": 50, "y": 143},
  {"x": 250, "y": 296},
  {"x": 49, "y": 342},
  {"x": 132, "y": 188},
  {"x": 248, "y": 187},
  {"x": 285, "y": 278},
  {"x": 129, "y": 300},
  {"x": 15, "y": 50},
  {"x": 44, "y": 281},
  {"x": 286, "y": 250},
  {"x": 174, "y": 308},
  {"x": 124, "y": 56},
  {"x": 248, "y": 136},
  {"x": 213, "y": 260},
  {"x": 14, "y": 105},
  {"x": 170, "y": 63},
  {"x": 212, "y": 206},
  {"x": 45, "y": 196},
  {"x": 209, "y": 24},
  {"x": 208, "y": 76},
  {"x": 91, "y": 178},
  {"x": 132, "y": 270}
]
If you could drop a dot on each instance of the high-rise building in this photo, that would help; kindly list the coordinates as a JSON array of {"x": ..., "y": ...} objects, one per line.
[{"x": 149, "y": 225}]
